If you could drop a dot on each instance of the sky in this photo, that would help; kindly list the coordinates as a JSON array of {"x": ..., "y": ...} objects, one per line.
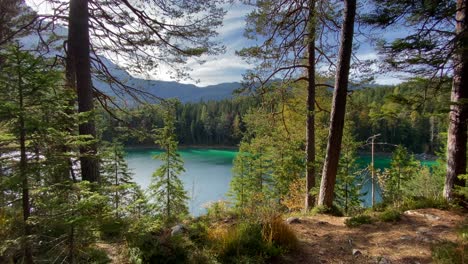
[{"x": 229, "y": 67}]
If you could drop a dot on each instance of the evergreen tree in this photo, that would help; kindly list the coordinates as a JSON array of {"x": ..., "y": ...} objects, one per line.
[
  {"x": 349, "y": 178},
  {"x": 403, "y": 166},
  {"x": 167, "y": 190},
  {"x": 26, "y": 83},
  {"x": 117, "y": 177},
  {"x": 436, "y": 48}
]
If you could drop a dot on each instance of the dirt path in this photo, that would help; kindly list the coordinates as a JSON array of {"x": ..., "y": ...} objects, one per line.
[{"x": 326, "y": 239}]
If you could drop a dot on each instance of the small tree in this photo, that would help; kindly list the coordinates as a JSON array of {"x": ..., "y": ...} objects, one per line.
[
  {"x": 402, "y": 168},
  {"x": 166, "y": 188},
  {"x": 117, "y": 176},
  {"x": 349, "y": 180}
]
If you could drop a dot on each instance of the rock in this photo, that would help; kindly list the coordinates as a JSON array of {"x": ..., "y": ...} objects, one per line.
[
  {"x": 178, "y": 229},
  {"x": 356, "y": 252},
  {"x": 383, "y": 260},
  {"x": 405, "y": 238},
  {"x": 431, "y": 217},
  {"x": 293, "y": 220}
]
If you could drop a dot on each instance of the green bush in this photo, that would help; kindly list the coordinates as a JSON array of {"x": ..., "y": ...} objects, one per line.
[
  {"x": 334, "y": 210},
  {"x": 161, "y": 248},
  {"x": 411, "y": 203},
  {"x": 358, "y": 220},
  {"x": 93, "y": 256},
  {"x": 389, "y": 215},
  {"x": 112, "y": 228},
  {"x": 243, "y": 243}
]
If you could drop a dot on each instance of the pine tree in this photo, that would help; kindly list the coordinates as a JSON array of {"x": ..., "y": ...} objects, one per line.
[
  {"x": 117, "y": 177},
  {"x": 26, "y": 84},
  {"x": 349, "y": 179},
  {"x": 167, "y": 190}
]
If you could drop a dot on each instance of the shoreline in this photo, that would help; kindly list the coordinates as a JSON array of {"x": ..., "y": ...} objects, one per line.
[{"x": 217, "y": 147}]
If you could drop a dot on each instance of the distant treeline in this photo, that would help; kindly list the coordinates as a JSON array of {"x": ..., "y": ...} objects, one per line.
[
  {"x": 202, "y": 123},
  {"x": 402, "y": 115}
]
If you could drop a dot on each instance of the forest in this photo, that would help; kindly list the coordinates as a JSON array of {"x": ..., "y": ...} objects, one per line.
[{"x": 308, "y": 107}]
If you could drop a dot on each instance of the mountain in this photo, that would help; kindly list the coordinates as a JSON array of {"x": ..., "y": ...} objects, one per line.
[{"x": 163, "y": 89}]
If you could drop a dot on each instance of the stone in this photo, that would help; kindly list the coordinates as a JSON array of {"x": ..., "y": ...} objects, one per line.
[
  {"x": 383, "y": 260},
  {"x": 431, "y": 217},
  {"x": 405, "y": 238},
  {"x": 293, "y": 220},
  {"x": 178, "y": 229},
  {"x": 356, "y": 252}
]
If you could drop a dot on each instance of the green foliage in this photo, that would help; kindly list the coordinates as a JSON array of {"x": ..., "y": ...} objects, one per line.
[
  {"x": 402, "y": 168},
  {"x": 449, "y": 253},
  {"x": 167, "y": 190},
  {"x": 349, "y": 179},
  {"x": 243, "y": 243},
  {"x": 203, "y": 123},
  {"x": 410, "y": 203},
  {"x": 116, "y": 178},
  {"x": 389, "y": 215},
  {"x": 334, "y": 210},
  {"x": 358, "y": 220},
  {"x": 93, "y": 255}
]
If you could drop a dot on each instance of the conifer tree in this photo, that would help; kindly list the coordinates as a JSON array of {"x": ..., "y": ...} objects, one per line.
[
  {"x": 167, "y": 190},
  {"x": 117, "y": 177},
  {"x": 349, "y": 179},
  {"x": 435, "y": 47},
  {"x": 26, "y": 83}
]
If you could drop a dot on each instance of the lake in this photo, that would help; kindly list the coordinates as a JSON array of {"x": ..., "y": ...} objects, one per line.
[{"x": 208, "y": 173}]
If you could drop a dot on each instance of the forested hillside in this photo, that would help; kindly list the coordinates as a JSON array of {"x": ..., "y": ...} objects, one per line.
[{"x": 81, "y": 82}]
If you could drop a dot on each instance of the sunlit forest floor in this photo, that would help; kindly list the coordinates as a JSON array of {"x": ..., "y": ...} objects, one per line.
[{"x": 326, "y": 239}]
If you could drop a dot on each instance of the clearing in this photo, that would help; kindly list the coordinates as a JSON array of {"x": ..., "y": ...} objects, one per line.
[{"x": 326, "y": 239}]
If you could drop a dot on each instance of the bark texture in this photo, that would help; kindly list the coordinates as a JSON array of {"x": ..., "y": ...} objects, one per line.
[
  {"x": 79, "y": 51},
  {"x": 457, "y": 137},
  {"x": 338, "y": 110},
  {"x": 310, "y": 123}
]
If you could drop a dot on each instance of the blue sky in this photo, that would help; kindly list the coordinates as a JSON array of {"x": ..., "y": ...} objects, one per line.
[{"x": 228, "y": 67}]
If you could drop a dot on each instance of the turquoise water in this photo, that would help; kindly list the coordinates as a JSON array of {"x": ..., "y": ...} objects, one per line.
[
  {"x": 208, "y": 173},
  {"x": 206, "y": 178}
]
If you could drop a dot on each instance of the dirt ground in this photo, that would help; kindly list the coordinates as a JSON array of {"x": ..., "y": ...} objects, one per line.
[{"x": 326, "y": 239}]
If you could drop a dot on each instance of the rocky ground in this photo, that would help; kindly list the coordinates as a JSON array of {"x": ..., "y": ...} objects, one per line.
[{"x": 326, "y": 239}]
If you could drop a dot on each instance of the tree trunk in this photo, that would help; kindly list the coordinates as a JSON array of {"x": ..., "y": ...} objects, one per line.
[
  {"x": 330, "y": 167},
  {"x": 457, "y": 137},
  {"x": 79, "y": 50},
  {"x": 28, "y": 258},
  {"x": 310, "y": 123}
]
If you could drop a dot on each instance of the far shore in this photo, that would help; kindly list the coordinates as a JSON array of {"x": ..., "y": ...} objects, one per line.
[{"x": 220, "y": 147}]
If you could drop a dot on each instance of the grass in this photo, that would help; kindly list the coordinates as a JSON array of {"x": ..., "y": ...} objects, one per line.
[{"x": 449, "y": 252}]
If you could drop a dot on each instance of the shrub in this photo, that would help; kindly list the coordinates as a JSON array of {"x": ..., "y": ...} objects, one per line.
[
  {"x": 276, "y": 231},
  {"x": 334, "y": 210},
  {"x": 411, "y": 203},
  {"x": 112, "y": 228},
  {"x": 217, "y": 210},
  {"x": 93, "y": 255},
  {"x": 248, "y": 242},
  {"x": 358, "y": 220},
  {"x": 389, "y": 215}
]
